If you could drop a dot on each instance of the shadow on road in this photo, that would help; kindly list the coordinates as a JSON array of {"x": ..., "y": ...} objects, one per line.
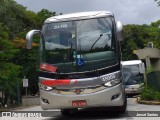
[{"x": 94, "y": 114}]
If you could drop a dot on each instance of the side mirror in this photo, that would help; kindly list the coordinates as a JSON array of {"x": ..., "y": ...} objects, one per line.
[
  {"x": 119, "y": 31},
  {"x": 29, "y": 37}
]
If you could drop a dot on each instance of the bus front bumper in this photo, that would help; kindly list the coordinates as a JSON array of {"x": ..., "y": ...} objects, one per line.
[{"x": 113, "y": 96}]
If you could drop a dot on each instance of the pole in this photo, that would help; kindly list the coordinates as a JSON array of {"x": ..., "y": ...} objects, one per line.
[
  {"x": 18, "y": 93},
  {"x": 26, "y": 96},
  {"x": 25, "y": 84},
  {"x": 145, "y": 78}
]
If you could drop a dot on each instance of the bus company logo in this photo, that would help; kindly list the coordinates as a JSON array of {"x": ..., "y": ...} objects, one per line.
[
  {"x": 78, "y": 91},
  {"x": 108, "y": 77},
  {"x": 74, "y": 76},
  {"x": 21, "y": 114},
  {"x": 6, "y": 114}
]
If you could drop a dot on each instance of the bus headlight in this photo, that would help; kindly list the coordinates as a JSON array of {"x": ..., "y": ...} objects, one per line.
[
  {"x": 45, "y": 88},
  {"x": 112, "y": 83}
]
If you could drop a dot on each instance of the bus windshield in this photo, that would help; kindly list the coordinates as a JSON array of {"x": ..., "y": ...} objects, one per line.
[
  {"x": 79, "y": 46},
  {"x": 132, "y": 75}
]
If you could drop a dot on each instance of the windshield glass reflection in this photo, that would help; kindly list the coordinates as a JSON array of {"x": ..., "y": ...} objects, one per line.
[
  {"x": 132, "y": 75},
  {"x": 82, "y": 45}
]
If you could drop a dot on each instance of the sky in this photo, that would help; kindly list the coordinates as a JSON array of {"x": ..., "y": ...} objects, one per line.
[{"x": 126, "y": 11}]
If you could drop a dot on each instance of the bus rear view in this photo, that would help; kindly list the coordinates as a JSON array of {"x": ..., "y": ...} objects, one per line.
[{"x": 80, "y": 62}]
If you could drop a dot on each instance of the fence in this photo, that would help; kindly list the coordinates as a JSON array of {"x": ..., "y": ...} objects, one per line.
[{"x": 153, "y": 80}]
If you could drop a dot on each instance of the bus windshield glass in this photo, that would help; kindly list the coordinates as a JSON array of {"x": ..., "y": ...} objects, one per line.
[
  {"x": 79, "y": 46},
  {"x": 132, "y": 75}
]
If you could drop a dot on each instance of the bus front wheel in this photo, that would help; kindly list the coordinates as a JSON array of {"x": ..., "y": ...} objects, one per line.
[{"x": 122, "y": 109}]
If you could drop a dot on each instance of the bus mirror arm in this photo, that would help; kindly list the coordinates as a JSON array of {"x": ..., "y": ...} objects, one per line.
[
  {"x": 29, "y": 37},
  {"x": 119, "y": 31}
]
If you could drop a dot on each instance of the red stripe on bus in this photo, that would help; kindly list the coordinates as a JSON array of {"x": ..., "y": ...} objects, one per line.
[{"x": 56, "y": 82}]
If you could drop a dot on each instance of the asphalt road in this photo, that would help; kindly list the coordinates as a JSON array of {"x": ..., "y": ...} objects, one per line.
[{"x": 134, "y": 111}]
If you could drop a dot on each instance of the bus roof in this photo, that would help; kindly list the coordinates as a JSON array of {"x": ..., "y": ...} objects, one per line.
[
  {"x": 131, "y": 62},
  {"x": 78, "y": 16}
]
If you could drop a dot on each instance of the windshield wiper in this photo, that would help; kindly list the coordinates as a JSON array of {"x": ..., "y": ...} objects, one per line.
[{"x": 97, "y": 40}]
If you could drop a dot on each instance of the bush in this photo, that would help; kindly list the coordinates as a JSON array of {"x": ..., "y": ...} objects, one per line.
[
  {"x": 157, "y": 96},
  {"x": 147, "y": 95},
  {"x": 150, "y": 94}
]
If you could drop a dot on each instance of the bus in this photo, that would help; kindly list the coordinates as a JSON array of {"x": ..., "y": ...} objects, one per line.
[
  {"x": 80, "y": 62},
  {"x": 133, "y": 76}
]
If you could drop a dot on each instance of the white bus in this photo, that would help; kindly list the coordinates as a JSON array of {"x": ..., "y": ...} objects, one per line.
[
  {"x": 80, "y": 62},
  {"x": 133, "y": 76}
]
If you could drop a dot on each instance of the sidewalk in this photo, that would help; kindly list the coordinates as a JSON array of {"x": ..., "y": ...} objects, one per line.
[{"x": 16, "y": 108}]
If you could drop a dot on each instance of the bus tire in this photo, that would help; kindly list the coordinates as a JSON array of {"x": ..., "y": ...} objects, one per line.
[{"x": 122, "y": 109}]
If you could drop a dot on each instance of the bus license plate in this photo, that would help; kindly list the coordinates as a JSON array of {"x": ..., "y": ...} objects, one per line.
[{"x": 79, "y": 103}]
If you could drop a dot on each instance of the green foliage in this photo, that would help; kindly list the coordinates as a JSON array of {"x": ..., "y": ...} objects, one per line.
[
  {"x": 9, "y": 72},
  {"x": 158, "y": 2},
  {"x": 137, "y": 37},
  {"x": 155, "y": 24},
  {"x": 154, "y": 35},
  {"x": 147, "y": 95},
  {"x": 16, "y": 21},
  {"x": 28, "y": 59},
  {"x": 31, "y": 20},
  {"x": 7, "y": 52},
  {"x": 12, "y": 15},
  {"x": 157, "y": 96},
  {"x": 150, "y": 69},
  {"x": 133, "y": 39},
  {"x": 43, "y": 15},
  {"x": 150, "y": 94}
]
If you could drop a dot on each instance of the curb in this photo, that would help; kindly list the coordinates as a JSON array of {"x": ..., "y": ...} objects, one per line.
[{"x": 147, "y": 102}]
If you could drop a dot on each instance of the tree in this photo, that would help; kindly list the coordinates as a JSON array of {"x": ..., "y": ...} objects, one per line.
[
  {"x": 31, "y": 20},
  {"x": 9, "y": 72},
  {"x": 156, "y": 24},
  {"x": 133, "y": 39},
  {"x": 9, "y": 79},
  {"x": 28, "y": 59},
  {"x": 158, "y": 2},
  {"x": 12, "y": 15},
  {"x": 10, "y": 11},
  {"x": 137, "y": 37},
  {"x": 43, "y": 15},
  {"x": 15, "y": 60}
]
